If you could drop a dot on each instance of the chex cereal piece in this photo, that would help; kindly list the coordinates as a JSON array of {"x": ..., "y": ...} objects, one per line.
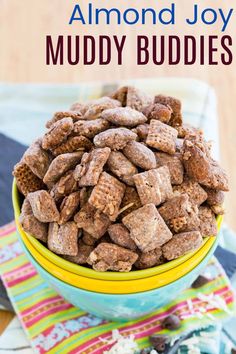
[
  {"x": 158, "y": 111},
  {"x": 92, "y": 221},
  {"x": 179, "y": 214},
  {"x": 119, "y": 234},
  {"x": 149, "y": 259},
  {"x": 186, "y": 129},
  {"x": 26, "y": 208},
  {"x": 215, "y": 199},
  {"x": 78, "y": 107},
  {"x": 174, "y": 164},
  {"x": 26, "y": 180},
  {"x": 142, "y": 131},
  {"x": 196, "y": 193},
  {"x": 37, "y": 159},
  {"x": 140, "y": 155},
  {"x": 74, "y": 115},
  {"x": 203, "y": 168},
  {"x": 43, "y": 206},
  {"x": 116, "y": 139},
  {"x": 57, "y": 133},
  {"x": 73, "y": 144},
  {"x": 175, "y": 104},
  {"x": 208, "y": 225},
  {"x": 200, "y": 142},
  {"x": 60, "y": 165},
  {"x": 32, "y": 225},
  {"x": 96, "y": 107},
  {"x": 91, "y": 166},
  {"x": 154, "y": 186},
  {"x": 66, "y": 185},
  {"x": 120, "y": 166},
  {"x": 88, "y": 239},
  {"x": 124, "y": 116},
  {"x": 162, "y": 137},
  {"x": 121, "y": 95},
  {"x": 107, "y": 195},
  {"x": 63, "y": 239},
  {"x": 90, "y": 128},
  {"x": 130, "y": 202},
  {"x": 68, "y": 207},
  {"x": 175, "y": 207},
  {"x": 182, "y": 243},
  {"x": 82, "y": 255},
  {"x": 107, "y": 256},
  {"x": 137, "y": 99},
  {"x": 147, "y": 228}
]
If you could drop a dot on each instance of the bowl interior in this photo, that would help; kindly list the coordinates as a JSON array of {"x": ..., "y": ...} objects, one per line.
[{"x": 90, "y": 273}]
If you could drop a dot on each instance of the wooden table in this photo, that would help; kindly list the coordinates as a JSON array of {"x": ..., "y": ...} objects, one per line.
[
  {"x": 5, "y": 319},
  {"x": 24, "y": 26}
]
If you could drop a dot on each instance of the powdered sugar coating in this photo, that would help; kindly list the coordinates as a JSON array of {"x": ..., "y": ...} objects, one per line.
[
  {"x": 162, "y": 137},
  {"x": 107, "y": 256},
  {"x": 140, "y": 155},
  {"x": 182, "y": 243},
  {"x": 147, "y": 228}
]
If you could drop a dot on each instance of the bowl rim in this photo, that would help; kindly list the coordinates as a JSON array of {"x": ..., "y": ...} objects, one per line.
[
  {"x": 110, "y": 287},
  {"x": 90, "y": 273}
]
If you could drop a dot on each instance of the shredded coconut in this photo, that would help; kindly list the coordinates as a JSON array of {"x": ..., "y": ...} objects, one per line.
[
  {"x": 190, "y": 341},
  {"x": 124, "y": 345},
  {"x": 185, "y": 317},
  {"x": 125, "y": 208},
  {"x": 190, "y": 306},
  {"x": 208, "y": 334},
  {"x": 202, "y": 309},
  {"x": 214, "y": 301},
  {"x": 190, "y": 344},
  {"x": 199, "y": 315}
]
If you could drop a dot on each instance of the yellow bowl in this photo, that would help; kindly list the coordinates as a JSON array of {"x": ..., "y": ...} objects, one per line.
[
  {"x": 120, "y": 286},
  {"x": 110, "y": 281}
]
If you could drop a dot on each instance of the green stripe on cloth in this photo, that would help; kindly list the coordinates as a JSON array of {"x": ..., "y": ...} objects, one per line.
[{"x": 54, "y": 326}]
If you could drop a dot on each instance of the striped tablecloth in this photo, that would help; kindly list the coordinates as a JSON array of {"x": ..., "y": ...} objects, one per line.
[{"x": 55, "y": 326}]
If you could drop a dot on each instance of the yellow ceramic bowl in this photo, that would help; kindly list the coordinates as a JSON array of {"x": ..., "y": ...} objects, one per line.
[
  {"x": 129, "y": 286},
  {"x": 110, "y": 281}
]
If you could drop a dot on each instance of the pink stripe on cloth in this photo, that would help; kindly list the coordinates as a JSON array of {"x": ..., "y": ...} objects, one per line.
[
  {"x": 20, "y": 279},
  {"x": 18, "y": 270},
  {"x": 222, "y": 290},
  {"x": 40, "y": 304},
  {"x": 8, "y": 229},
  {"x": 91, "y": 343},
  {"x": 63, "y": 307}
]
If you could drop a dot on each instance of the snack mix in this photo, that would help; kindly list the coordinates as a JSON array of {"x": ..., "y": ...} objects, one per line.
[{"x": 120, "y": 183}]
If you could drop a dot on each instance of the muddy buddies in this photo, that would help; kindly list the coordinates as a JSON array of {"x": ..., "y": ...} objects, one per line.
[{"x": 121, "y": 183}]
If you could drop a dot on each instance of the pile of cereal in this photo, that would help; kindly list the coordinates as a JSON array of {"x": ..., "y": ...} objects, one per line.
[{"x": 120, "y": 183}]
